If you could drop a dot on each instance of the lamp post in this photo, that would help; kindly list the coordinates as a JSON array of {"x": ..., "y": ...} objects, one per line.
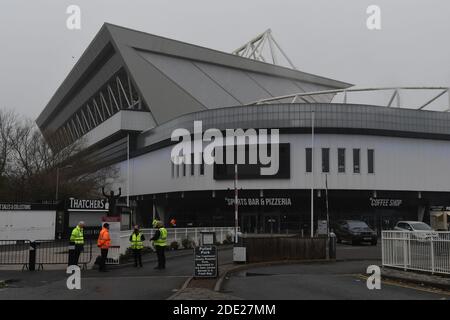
[{"x": 57, "y": 179}]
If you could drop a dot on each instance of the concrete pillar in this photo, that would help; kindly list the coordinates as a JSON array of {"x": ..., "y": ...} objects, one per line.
[{"x": 420, "y": 213}]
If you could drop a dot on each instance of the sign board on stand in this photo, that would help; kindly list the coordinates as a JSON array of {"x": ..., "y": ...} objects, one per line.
[{"x": 205, "y": 262}]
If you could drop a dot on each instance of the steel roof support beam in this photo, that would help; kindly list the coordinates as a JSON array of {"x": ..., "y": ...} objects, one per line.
[{"x": 434, "y": 99}]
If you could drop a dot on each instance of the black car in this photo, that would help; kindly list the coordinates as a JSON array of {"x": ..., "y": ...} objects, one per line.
[{"x": 354, "y": 231}]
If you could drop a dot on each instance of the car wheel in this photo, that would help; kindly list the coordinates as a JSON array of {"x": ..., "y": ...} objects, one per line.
[
  {"x": 338, "y": 240},
  {"x": 374, "y": 243},
  {"x": 355, "y": 243}
]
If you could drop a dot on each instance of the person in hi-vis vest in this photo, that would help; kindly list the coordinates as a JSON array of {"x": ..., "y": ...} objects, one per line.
[
  {"x": 76, "y": 244},
  {"x": 137, "y": 244},
  {"x": 160, "y": 243}
]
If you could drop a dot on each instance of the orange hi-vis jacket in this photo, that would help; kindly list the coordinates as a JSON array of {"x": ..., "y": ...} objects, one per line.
[{"x": 104, "y": 240}]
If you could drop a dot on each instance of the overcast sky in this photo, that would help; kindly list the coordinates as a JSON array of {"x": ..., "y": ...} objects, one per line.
[{"x": 329, "y": 38}]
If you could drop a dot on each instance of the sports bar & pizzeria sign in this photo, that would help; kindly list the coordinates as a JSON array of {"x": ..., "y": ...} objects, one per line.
[{"x": 260, "y": 201}]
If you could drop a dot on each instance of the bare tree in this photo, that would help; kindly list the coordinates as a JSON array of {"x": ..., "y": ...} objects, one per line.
[
  {"x": 30, "y": 165},
  {"x": 8, "y": 121}
]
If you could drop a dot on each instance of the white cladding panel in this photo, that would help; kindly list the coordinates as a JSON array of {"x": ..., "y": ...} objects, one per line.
[
  {"x": 122, "y": 120},
  {"x": 27, "y": 225},
  {"x": 400, "y": 164}
]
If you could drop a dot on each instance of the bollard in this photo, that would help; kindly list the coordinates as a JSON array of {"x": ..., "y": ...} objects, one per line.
[
  {"x": 32, "y": 257},
  {"x": 332, "y": 246}
]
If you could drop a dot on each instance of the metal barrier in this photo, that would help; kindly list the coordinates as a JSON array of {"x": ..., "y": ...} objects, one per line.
[
  {"x": 427, "y": 251},
  {"x": 14, "y": 252},
  {"x": 57, "y": 252},
  {"x": 178, "y": 235},
  {"x": 40, "y": 253}
]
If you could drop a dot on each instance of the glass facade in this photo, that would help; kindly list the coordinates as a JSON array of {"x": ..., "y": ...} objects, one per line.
[
  {"x": 308, "y": 160},
  {"x": 356, "y": 161},
  {"x": 341, "y": 160},
  {"x": 370, "y": 161},
  {"x": 325, "y": 160}
]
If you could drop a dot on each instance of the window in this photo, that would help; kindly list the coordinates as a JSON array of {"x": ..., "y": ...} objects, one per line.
[
  {"x": 325, "y": 160},
  {"x": 356, "y": 161},
  {"x": 192, "y": 165},
  {"x": 202, "y": 165},
  {"x": 341, "y": 160},
  {"x": 370, "y": 161},
  {"x": 308, "y": 160}
]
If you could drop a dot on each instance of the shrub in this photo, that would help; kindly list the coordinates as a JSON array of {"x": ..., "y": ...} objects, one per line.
[
  {"x": 228, "y": 239},
  {"x": 186, "y": 243},
  {"x": 174, "y": 245}
]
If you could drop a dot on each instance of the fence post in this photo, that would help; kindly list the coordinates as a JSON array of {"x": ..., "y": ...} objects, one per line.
[
  {"x": 409, "y": 249},
  {"x": 32, "y": 257},
  {"x": 432, "y": 256},
  {"x": 405, "y": 250}
]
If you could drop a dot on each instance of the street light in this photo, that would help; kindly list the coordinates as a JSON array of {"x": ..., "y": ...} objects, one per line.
[{"x": 57, "y": 179}]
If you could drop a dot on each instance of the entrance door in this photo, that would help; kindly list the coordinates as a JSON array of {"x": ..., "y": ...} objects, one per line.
[
  {"x": 272, "y": 224},
  {"x": 249, "y": 223}
]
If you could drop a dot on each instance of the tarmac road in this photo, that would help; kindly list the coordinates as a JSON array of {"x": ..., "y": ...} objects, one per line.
[
  {"x": 124, "y": 283},
  {"x": 341, "y": 280}
]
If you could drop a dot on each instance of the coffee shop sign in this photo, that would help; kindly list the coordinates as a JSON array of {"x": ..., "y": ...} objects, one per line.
[
  {"x": 385, "y": 202},
  {"x": 260, "y": 201}
]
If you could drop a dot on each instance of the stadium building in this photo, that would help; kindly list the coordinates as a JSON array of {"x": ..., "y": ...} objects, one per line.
[{"x": 130, "y": 90}]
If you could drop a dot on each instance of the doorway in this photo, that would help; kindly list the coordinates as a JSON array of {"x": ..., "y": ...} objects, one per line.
[
  {"x": 271, "y": 223},
  {"x": 249, "y": 223}
]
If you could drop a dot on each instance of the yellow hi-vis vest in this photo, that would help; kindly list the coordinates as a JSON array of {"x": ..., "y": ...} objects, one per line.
[
  {"x": 162, "y": 238},
  {"x": 77, "y": 235},
  {"x": 136, "y": 241}
]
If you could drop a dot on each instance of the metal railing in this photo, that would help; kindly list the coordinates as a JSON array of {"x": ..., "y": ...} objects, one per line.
[
  {"x": 178, "y": 235},
  {"x": 308, "y": 97},
  {"x": 427, "y": 251},
  {"x": 38, "y": 253},
  {"x": 14, "y": 252}
]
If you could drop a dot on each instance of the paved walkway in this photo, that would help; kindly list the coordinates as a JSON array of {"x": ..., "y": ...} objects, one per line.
[
  {"x": 201, "y": 294},
  {"x": 119, "y": 283}
]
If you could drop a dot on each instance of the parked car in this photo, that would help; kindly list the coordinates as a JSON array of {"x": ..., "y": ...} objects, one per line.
[
  {"x": 420, "y": 229},
  {"x": 354, "y": 231}
]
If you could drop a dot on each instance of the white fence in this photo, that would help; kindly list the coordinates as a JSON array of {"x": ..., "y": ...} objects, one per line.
[
  {"x": 178, "y": 235},
  {"x": 427, "y": 251}
]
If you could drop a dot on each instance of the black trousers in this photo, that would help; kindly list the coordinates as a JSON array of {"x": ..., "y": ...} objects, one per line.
[
  {"x": 137, "y": 257},
  {"x": 104, "y": 255},
  {"x": 161, "y": 256},
  {"x": 74, "y": 255}
]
